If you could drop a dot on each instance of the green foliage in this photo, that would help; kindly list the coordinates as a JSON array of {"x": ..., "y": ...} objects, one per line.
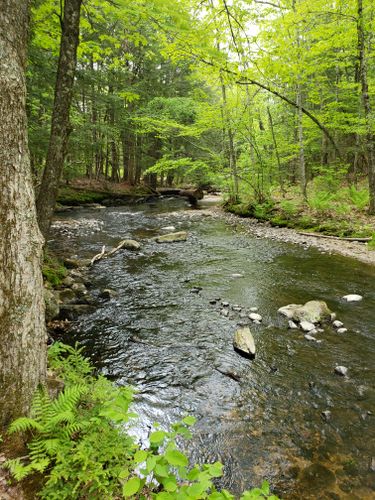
[
  {"x": 371, "y": 244},
  {"x": 80, "y": 442},
  {"x": 359, "y": 197},
  {"x": 53, "y": 270},
  {"x": 321, "y": 201}
]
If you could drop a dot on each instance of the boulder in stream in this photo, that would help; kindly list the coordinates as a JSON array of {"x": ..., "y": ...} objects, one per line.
[
  {"x": 172, "y": 237},
  {"x": 314, "y": 311},
  {"x": 243, "y": 342},
  {"x": 255, "y": 317},
  {"x": 129, "y": 245}
]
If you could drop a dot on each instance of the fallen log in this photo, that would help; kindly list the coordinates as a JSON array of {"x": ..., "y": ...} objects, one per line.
[
  {"x": 316, "y": 235},
  {"x": 193, "y": 195}
]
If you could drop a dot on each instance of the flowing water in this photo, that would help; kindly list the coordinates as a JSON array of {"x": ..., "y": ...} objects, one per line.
[{"x": 175, "y": 347}]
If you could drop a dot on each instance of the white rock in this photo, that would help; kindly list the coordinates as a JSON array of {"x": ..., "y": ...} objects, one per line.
[
  {"x": 353, "y": 297},
  {"x": 309, "y": 337},
  {"x": 341, "y": 370},
  {"x": 236, "y": 275},
  {"x": 292, "y": 325},
  {"x": 168, "y": 228},
  {"x": 307, "y": 326},
  {"x": 342, "y": 330},
  {"x": 338, "y": 324},
  {"x": 253, "y": 309},
  {"x": 255, "y": 316},
  {"x": 257, "y": 322},
  {"x": 289, "y": 310}
]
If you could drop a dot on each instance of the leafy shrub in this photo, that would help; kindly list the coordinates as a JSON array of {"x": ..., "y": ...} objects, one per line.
[
  {"x": 81, "y": 443},
  {"x": 289, "y": 208}
]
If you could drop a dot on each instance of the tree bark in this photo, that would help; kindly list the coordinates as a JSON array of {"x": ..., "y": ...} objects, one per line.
[
  {"x": 22, "y": 324},
  {"x": 370, "y": 136},
  {"x": 60, "y": 126}
]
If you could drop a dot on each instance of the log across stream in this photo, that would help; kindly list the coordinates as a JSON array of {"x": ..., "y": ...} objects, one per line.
[{"x": 285, "y": 416}]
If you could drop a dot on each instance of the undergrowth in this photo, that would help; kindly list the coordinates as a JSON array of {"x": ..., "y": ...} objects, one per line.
[
  {"x": 81, "y": 444},
  {"x": 53, "y": 270}
]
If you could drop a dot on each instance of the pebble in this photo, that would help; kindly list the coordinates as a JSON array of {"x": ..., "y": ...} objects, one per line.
[
  {"x": 237, "y": 308},
  {"x": 255, "y": 316},
  {"x": 224, "y": 312},
  {"x": 337, "y": 324},
  {"x": 326, "y": 415},
  {"x": 341, "y": 370},
  {"x": 253, "y": 309},
  {"x": 342, "y": 330},
  {"x": 225, "y": 304},
  {"x": 353, "y": 297},
  {"x": 236, "y": 275}
]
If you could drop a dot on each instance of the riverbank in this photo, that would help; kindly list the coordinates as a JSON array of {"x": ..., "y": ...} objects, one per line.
[
  {"x": 264, "y": 229},
  {"x": 353, "y": 249}
]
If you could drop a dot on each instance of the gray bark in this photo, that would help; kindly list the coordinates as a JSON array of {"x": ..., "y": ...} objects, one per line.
[
  {"x": 22, "y": 325},
  {"x": 60, "y": 126}
]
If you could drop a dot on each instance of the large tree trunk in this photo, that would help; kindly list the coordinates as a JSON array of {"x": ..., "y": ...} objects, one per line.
[
  {"x": 60, "y": 126},
  {"x": 22, "y": 326},
  {"x": 370, "y": 136}
]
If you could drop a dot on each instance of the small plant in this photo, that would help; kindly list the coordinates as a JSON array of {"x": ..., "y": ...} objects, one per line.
[
  {"x": 359, "y": 197},
  {"x": 81, "y": 443},
  {"x": 53, "y": 270},
  {"x": 321, "y": 201}
]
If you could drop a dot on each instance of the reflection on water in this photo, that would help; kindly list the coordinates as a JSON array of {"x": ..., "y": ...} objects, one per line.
[{"x": 176, "y": 349}]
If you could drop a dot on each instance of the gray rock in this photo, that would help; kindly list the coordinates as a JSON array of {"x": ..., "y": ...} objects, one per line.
[
  {"x": 326, "y": 415},
  {"x": 52, "y": 305},
  {"x": 255, "y": 316},
  {"x": 168, "y": 228},
  {"x": 307, "y": 326},
  {"x": 253, "y": 309},
  {"x": 341, "y": 370},
  {"x": 76, "y": 263},
  {"x": 172, "y": 237},
  {"x": 243, "y": 342},
  {"x": 236, "y": 275},
  {"x": 80, "y": 288},
  {"x": 353, "y": 297},
  {"x": 236, "y": 308},
  {"x": 333, "y": 316},
  {"x": 67, "y": 295},
  {"x": 225, "y": 312},
  {"x": 108, "y": 294},
  {"x": 225, "y": 304},
  {"x": 292, "y": 325},
  {"x": 129, "y": 245},
  {"x": 337, "y": 324},
  {"x": 342, "y": 330},
  {"x": 68, "y": 281}
]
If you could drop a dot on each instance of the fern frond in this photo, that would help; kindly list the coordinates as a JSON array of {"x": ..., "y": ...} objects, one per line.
[{"x": 24, "y": 424}]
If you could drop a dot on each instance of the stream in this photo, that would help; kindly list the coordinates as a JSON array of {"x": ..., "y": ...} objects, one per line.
[{"x": 165, "y": 337}]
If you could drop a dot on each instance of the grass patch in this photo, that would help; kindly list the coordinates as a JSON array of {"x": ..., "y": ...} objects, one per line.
[{"x": 53, "y": 269}]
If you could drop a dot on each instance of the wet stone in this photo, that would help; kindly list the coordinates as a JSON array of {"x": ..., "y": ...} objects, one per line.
[
  {"x": 342, "y": 330},
  {"x": 341, "y": 370}
]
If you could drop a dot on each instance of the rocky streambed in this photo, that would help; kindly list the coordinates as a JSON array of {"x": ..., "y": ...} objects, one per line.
[{"x": 163, "y": 318}]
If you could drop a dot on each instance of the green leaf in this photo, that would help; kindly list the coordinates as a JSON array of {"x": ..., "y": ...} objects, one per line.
[
  {"x": 157, "y": 437},
  {"x": 131, "y": 487},
  {"x": 175, "y": 457},
  {"x": 189, "y": 420},
  {"x": 140, "y": 456}
]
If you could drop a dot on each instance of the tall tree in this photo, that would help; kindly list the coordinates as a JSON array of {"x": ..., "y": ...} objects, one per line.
[
  {"x": 60, "y": 126},
  {"x": 22, "y": 325}
]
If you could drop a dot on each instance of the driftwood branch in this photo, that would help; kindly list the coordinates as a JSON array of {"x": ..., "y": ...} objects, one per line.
[
  {"x": 361, "y": 240},
  {"x": 98, "y": 256}
]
